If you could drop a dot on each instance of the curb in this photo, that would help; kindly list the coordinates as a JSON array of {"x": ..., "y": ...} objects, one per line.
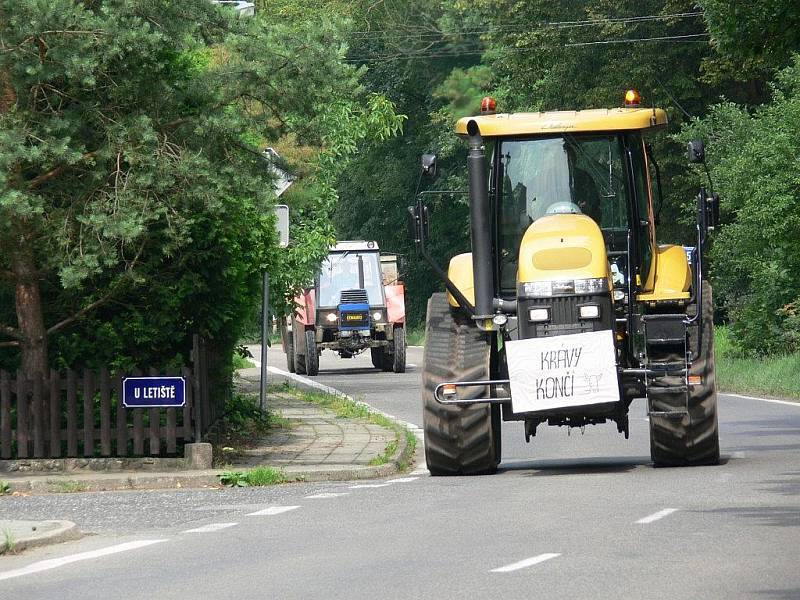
[
  {"x": 106, "y": 482},
  {"x": 62, "y": 531}
]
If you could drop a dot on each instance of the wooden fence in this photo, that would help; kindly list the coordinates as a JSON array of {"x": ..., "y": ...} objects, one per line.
[{"x": 80, "y": 414}]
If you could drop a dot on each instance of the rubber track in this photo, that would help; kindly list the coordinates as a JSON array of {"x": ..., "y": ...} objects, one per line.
[
  {"x": 459, "y": 440},
  {"x": 694, "y": 439}
]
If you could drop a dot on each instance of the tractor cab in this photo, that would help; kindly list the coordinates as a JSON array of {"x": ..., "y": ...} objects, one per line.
[{"x": 350, "y": 288}]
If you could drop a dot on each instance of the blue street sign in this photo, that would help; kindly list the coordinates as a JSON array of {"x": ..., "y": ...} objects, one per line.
[{"x": 153, "y": 392}]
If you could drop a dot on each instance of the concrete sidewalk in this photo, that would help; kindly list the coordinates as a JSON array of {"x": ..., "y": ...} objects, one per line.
[{"x": 318, "y": 446}]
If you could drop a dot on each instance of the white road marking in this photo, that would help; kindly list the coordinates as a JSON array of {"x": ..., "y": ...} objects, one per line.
[
  {"x": 656, "y": 516},
  {"x": 771, "y": 400},
  {"x": 739, "y": 454},
  {"x": 272, "y": 511},
  {"x": 412, "y": 365},
  {"x": 403, "y": 479},
  {"x": 45, "y": 565},
  {"x": 528, "y": 562},
  {"x": 211, "y": 527},
  {"x": 327, "y": 495},
  {"x": 369, "y": 485}
]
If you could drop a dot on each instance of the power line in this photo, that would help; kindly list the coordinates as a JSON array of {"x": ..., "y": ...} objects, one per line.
[
  {"x": 690, "y": 38},
  {"x": 423, "y": 34},
  {"x": 633, "y": 40}
]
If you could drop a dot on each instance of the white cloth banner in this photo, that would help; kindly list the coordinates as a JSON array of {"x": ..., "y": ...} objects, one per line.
[{"x": 562, "y": 371}]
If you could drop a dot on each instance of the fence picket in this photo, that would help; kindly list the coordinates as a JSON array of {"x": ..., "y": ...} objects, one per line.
[
  {"x": 72, "y": 414},
  {"x": 105, "y": 414},
  {"x": 88, "y": 413},
  {"x": 54, "y": 400},
  {"x": 122, "y": 419},
  {"x": 186, "y": 431},
  {"x": 5, "y": 415},
  {"x": 154, "y": 425},
  {"x": 37, "y": 414},
  {"x": 22, "y": 417}
]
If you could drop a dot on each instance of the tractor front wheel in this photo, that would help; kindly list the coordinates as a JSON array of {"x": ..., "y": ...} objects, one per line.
[
  {"x": 459, "y": 439},
  {"x": 692, "y": 439}
]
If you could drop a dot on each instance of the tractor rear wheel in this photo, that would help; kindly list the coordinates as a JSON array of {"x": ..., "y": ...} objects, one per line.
[
  {"x": 459, "y": 440},
  {"x": 694, "y": 438},
  {"x": 288, "y": 347},
  {"x": 312, "y": 356},
  {"x": 298, "y": 336},
  {"x": 399, "y": 355}
]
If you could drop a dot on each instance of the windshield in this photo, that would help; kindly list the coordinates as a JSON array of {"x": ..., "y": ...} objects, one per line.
[
  {"x": 558, "y": 175},
  {"x": 340, "y": 271}
]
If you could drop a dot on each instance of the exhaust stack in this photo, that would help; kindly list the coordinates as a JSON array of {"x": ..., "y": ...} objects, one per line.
[{"x": 480, "y": 225}]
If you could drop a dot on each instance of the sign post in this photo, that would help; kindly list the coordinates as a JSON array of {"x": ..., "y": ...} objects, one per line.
[{"x": 282, "y": 225}]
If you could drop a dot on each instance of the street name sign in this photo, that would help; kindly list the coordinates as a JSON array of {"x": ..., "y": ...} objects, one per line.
[
  {"x": 153, "y": 392},
  {"x": 562, "y": 371}
]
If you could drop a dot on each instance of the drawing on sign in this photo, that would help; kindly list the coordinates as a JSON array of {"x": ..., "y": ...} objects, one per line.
[{"x": 563, "y": 371}]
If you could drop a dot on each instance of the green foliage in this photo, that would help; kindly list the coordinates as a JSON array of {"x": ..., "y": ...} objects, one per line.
[
  {"x": 755, "y": 263},
  {"x": 131, "y": 165},
  {"x": 774, "y": 376},
  {"x": 5, "y": 488},
  {"x": 259, "y": 476}
]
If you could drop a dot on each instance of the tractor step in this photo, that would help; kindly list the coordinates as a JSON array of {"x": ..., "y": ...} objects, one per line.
[{"x": 668, "y": 368}]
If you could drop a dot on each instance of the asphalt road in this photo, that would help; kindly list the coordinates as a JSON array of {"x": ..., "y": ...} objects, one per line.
[{"x": 583, "y": 516}]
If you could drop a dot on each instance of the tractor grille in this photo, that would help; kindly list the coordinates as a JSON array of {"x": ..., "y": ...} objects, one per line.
[
  {"x": 564, "y": 316},
  {"x": 354, "y": 297}
]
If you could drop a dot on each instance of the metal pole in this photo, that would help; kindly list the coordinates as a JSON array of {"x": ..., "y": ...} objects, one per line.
[{"x": 262, "y": 395}]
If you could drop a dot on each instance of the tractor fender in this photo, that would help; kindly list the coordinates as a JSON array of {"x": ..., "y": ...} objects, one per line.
[
  {"x": 305, "y": 309},
  {"x": 673, "y": 275},
  {"x": 460, "y": 273},
  {"x": 395, "y": 303}
]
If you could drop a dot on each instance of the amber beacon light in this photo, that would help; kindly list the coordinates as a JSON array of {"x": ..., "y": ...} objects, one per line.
[
  {"x": 488, "y": 106},
  {"x": 632, "y": 98}
]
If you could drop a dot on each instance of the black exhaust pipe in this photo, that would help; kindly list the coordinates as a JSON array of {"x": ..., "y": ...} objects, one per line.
[{"x": 480, "y": 225}]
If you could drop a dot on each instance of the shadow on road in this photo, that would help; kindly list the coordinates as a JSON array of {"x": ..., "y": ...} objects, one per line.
[{"x": 582, "y": 466}]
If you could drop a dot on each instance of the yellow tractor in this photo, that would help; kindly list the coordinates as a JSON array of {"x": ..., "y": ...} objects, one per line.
[{"x": 567, "y": 310}]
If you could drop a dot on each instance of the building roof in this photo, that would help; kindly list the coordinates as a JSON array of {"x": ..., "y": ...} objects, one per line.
[{"x": 576, "y": 121}]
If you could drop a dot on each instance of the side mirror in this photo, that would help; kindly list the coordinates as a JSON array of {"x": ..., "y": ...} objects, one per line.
[
  {"x": 418, "y": 223},
  {"x": 429, "y": 165},
  {"x": 696, "y": 151}
]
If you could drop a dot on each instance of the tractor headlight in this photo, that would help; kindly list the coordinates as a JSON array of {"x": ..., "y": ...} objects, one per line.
[
  {"x": 591, "y": 286},
  {"x": 538, "y": 315},
  {"x": 589, "y": 311},
  {"x": 377, "y": 315},
  {"x": 331, "y": 317}
]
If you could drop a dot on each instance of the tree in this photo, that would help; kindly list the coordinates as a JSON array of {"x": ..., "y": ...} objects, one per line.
[{"x": 130, "y": 147}]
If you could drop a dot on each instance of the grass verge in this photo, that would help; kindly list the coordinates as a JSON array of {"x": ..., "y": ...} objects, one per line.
[
  {"x": 771, "y": 376},
  {"x": 260, "y": 476},
  {"x": 5, "y": 488},
  {"x": 346, "y": 408},
  {"x": 69, "y": 487}
]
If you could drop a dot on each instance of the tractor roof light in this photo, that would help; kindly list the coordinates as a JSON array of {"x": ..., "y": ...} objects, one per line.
[
  {"x": 632, "y": 99},
  {"x": 488, "y": 106}
]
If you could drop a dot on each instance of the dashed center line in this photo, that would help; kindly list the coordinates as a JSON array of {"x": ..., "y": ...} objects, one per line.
[
  {"x": 656, "y": 516},
  {"x": 211, "y": 527},
  {"x": 45, "y": 565},
  {"x": 369, "y": 485},
  {"x": 271, "y": 511},
  {"x": 326, "y": 495},
  {"x": 528, "y": 562}
]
